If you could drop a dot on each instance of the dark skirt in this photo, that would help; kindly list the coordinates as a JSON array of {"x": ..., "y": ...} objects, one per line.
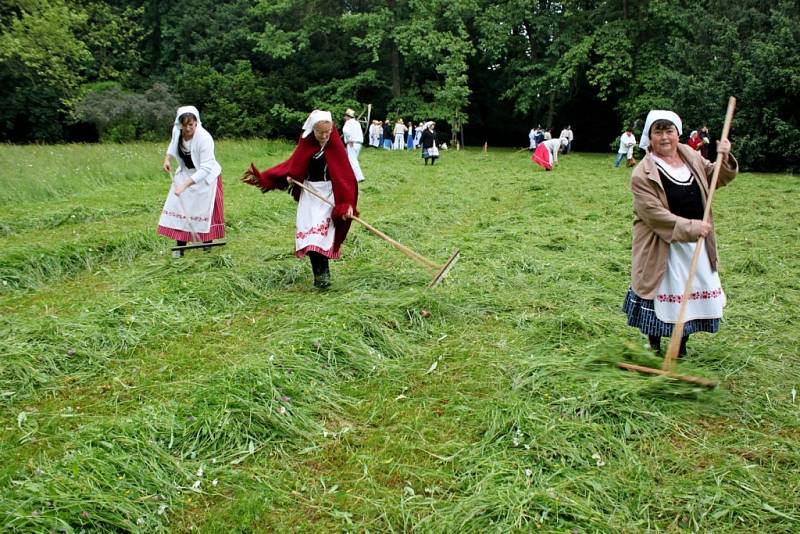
[{"x": 642, "y": 315}]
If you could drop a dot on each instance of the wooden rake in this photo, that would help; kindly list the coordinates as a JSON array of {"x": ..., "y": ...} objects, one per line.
[
  {"x": 195, "y": 241},
  {"x": 439, "y": 271},
  {"x": 677, "y": 333}
]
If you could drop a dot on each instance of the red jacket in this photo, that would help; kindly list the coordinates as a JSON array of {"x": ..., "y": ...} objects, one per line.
[
  {"x": 695, "y": 143},
  {"x": 345, "y": 187}
]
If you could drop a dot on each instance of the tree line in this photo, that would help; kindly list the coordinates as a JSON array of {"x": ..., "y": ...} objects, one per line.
[{"x": 116, "y": 70}]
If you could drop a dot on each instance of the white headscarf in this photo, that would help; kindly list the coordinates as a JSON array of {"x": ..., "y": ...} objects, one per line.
[
  {"x": 655, "y": 115},
  {"x": 176, "y": 128},
  {"x": 313, "y": 118}
]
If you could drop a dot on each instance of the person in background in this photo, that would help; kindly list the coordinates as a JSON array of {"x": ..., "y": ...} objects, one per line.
[
  {"x": 539, "y": 136},
  {"x": 706, "y": 137},
  {"x": 387, "y": 135},
  {"x": 193, "y": 210},
  {"x": 546, "y": 153},
  {"x": 320, "y": 162},
  {"x": 695, "y": 142},
  {"x": 626, "y": 143},
  {"x": 353, "y": 141},
  {"x": 670, "y": 187},
  {"x": 430, "y": 151},
  {"x": 418, "y": 134},
  {"x": 399, "y": 135},
  {"x": 375, "y": 134},
  {"x": 410, "y": 136},
  {"x": 566, "y": 133},
  {"x": 532, "y": 140}
]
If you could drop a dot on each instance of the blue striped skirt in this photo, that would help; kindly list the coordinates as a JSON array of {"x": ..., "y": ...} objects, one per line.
[{"x": 642, "y": 315}]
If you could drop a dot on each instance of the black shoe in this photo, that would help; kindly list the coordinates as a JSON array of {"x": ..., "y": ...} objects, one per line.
[{"x": 322, "y": 281}]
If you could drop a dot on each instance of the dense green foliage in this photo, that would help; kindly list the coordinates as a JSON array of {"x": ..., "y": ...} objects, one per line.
[
  {"x": 254, "y": 67},
  {"x": 222, "y": 392}
]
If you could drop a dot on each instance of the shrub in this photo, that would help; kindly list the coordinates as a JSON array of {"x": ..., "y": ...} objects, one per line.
[{"x": 121, "y": 116}]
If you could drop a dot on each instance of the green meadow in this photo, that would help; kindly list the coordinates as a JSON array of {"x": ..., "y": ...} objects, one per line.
[{"x": 222, "y": 393}]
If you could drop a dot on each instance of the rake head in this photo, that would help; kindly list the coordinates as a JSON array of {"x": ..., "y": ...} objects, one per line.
[{"x": 445, "y": 269}]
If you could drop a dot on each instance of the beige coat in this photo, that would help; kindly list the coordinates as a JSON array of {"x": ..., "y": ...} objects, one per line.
[{"x": 655, "y": 227}]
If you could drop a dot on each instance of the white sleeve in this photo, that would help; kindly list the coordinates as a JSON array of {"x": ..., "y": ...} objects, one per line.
[{"x": 207, "y": 168}]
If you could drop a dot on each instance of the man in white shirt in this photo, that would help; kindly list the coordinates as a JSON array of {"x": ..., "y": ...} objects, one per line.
[
  {"x": 626, "y": 143},
  {"x": 566, "y": 133},
  {"x": 353, "y": 139}
]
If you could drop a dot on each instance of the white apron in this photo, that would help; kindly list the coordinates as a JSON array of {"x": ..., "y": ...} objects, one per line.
[
  {"x": 706, "y": 298},
  {"x": 315, "y": 229},
  {"x": 192, "y": 210}
]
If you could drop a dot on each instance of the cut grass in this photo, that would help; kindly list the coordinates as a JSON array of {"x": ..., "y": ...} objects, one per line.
[{"x": 491, "y": 403}]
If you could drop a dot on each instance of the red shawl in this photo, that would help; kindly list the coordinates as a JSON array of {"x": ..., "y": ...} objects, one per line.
[{"x": 345, "y": 188}]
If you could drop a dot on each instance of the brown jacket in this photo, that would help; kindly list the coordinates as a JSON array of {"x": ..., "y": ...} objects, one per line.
[{"x": 655, "y": 227}]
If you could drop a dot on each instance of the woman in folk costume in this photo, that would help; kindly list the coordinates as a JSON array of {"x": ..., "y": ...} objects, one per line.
[
  {"x": 670, "y": 186},
  {"x": 428, "y": 142},
  {"x": 546, "y": 153},
  {"x": 319, "y": 162},
  {"x": 695, "y": 142},
  {"x": 194, "y": 207}
]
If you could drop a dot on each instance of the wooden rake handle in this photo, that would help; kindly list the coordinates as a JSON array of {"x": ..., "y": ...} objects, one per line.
[
  {"x": 677, "y": 332},
  {"x": 399, "y": 246}
]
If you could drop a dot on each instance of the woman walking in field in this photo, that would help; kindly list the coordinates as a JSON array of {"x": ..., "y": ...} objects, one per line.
[
  {"x": 670, "y": 186},
  {"x": 319, "y": 162},
  {"x": 428, "y": 142},
  {"x": 193, "y": 210}
]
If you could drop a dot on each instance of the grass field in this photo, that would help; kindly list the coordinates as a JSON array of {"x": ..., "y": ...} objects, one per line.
[{"x": 222, "y": 393}]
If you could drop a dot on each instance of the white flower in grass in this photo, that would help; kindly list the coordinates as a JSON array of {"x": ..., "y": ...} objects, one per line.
[
  {"x": 141, "y": 521},
  {"x": 527, "y": 447},
  {"x": 600, "y": 462},
  {"x": 528, "y": 473},
  {"x": 196, "y": 486},
  {"x": 282, "y": 410},
  {"x": 162, "y": 509},
  {"x": 200, "y": 472},
  {"x": 516, "y": 439},
  {"x": 214, "y": 482}
]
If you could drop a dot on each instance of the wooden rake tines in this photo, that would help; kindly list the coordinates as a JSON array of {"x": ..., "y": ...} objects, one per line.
[
  {"x": 677, "y": 332},
  {"x": 440, "y": 271},
  {"x": 195, "y": 241}
]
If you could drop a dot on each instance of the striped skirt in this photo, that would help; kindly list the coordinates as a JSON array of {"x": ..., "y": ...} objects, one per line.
[
  {"x": 217, "y": 230},
  {"x": 642, "y": 315}
]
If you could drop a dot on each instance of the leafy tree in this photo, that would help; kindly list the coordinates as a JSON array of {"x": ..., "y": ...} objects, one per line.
[{"x": 42, "y": 62}]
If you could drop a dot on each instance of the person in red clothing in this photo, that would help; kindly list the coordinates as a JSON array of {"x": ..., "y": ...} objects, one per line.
[
  {"x": 320, "y": 162},
  {"x": 695, "y": 141}
]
